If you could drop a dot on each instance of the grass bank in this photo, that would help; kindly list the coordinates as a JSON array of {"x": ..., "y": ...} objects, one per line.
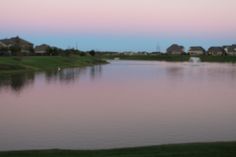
[
  {"x": 174, "y": 58},
  {"x": 169, "y": 58},
  {"x": 229, "y": 59},
  {"x": 224, "y": 149},
  {"x": 39, "y": 63}
]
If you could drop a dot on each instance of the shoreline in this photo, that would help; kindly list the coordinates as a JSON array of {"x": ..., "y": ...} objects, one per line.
[
  {"x": 174, "y": 58},
  {"x": 10, "y": 65},
  {"x": 208, "y": 149}
]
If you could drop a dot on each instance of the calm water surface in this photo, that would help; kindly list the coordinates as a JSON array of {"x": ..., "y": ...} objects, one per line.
[{"x": 122, "y": 104}]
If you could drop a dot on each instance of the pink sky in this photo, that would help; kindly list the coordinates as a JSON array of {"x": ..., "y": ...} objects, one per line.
[
  {"x": 165, "y": 18},
  {"x": 120, "y": 15}
]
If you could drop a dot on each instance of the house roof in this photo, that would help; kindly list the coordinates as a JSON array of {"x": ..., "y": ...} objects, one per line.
[
  {"x": 196, "y": 48},
  {"x": 16, "y": 41},
  {"x": 226, "y": 46},
  {"x": 175, "y": 47},
  {"x": 42, "y": 47},
  {"x": 232, "y": 48},
  {"x": 2, "y": 44},
  {"x": 216, "y": 49}
]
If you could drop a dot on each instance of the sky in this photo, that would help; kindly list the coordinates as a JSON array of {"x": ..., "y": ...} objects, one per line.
[{"x": 120, "y": 25}]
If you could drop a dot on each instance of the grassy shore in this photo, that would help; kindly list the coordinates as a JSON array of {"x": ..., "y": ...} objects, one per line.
[
  {"x": 39, "y": 63},
  {"x": 169, "y": 58},
  {"x": 174, "y": 58},
  {"x": 229, "y": 59},
  {"x": 223, "y": 149}
]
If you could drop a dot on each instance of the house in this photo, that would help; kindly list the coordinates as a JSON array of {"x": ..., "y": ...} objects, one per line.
[
  {"x": 216, "y": 51},
  {"x": 2, "y": 45},
  {"x": 21, "y": 44},
  {"x": 42, "y": 49},
  {"x": 3, "y": 49},
  {"x": 196, "y": 50},
  {"x": 230, "y": 50},
  {"x": 175, "y": 49},
  {"x": 226, "y": 47}
]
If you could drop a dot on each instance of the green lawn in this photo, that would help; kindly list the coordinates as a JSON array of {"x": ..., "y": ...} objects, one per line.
[
  {"x": 227, "y": 149},
  {"x": 170, "y": 58},
  {"x": 231, "y": 59},
  {"x": 174, "y": 58},
  {"x": 35, "y": 63}
]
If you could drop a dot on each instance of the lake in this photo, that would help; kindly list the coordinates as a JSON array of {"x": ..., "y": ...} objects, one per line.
[{"x": 122, "y": 104}]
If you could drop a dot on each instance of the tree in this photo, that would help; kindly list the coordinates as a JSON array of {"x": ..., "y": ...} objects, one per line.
[{"x": 92, "y": 53}]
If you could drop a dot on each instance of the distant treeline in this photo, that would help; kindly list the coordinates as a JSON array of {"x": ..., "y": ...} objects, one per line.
[{"x": 17, "y": 46}]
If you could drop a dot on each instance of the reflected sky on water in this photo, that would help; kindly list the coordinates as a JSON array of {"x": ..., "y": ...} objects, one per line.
[{"x": 125, "y": 103}]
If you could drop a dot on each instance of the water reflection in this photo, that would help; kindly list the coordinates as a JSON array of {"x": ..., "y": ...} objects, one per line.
[
  {"x": 18, "y": 81},
  {"x": 122, "y": 104},
  {"x": 202, "y": 72},
  {"x": 95, "y": 71},
  {"x": 172, "y": 71}
]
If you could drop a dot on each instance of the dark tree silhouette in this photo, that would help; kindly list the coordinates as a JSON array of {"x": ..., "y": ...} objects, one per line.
[{"x": 92, "y": 53}]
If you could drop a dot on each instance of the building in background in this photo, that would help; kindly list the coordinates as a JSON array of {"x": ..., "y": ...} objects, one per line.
[
  {"x": 18, "y": 45},
  {"x": 42, "y": 49},
  {"x": 175, "y": 49},
  {"x": 216, "y": 51},
  {"x": 196, "y": 50},
  {"x": 230, "y": 50}
]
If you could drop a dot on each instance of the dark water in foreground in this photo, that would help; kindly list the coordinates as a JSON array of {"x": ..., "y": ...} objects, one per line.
[{"x": 122, "y": 104}]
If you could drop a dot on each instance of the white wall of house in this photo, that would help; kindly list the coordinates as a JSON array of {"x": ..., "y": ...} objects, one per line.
[
  {"x": 216, "y": 53},
  {"x": 231, "y": 53},
  {"x": 196, "y": 52},
  {"x": 176, "y": 52}
]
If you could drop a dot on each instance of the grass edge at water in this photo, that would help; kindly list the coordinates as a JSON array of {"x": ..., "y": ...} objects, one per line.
[
  {"x": 214, "y": 149},
  {"x": 42, "y": 63}
]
